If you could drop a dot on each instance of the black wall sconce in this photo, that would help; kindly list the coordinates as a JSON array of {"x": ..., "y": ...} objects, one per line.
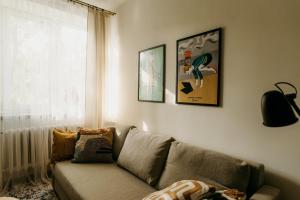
[{"x": 277, "y": 107}]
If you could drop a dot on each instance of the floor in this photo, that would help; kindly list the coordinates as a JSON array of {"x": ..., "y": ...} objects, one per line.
[{"x": 37, "y": 191}]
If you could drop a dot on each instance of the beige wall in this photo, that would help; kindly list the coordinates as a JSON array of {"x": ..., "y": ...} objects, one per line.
[{"x": 261, "y": 46}]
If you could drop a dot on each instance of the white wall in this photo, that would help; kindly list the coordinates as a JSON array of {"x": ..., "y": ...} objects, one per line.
[{"x": 261, "y": 46}]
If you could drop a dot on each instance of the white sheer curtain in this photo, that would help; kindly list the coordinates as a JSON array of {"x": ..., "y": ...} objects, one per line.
[{"x": 42, "y": 81}]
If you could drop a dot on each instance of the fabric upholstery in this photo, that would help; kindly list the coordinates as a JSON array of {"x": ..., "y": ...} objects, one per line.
[
  {"x": 189, "y": 162},
  {"x": 120, "y": 134},
  {"x": 256, "y": 177},
  {"x": 93, "y": 148},
  {"x": 63, "y": 145},
  {"x": 144, "y": 154},
  {"x": 183, "y": 190},
  {"x": 94, "y": 181},
  {"x": 59, "y": 190},
  {"x": 266, "y": 192}
]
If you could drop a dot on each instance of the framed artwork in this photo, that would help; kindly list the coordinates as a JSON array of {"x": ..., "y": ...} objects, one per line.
[
  {"x": 151, "y": 74},
  {"x": 198, "y": 69}
]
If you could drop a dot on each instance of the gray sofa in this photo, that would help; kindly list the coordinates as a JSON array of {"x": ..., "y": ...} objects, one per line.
[{"x": 100, "y": 181}]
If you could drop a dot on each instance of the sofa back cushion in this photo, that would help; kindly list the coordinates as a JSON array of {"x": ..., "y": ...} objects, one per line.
[
  {"x": 188, "y": 162},
  {"x": 120, "y": 134},
  {"x": 144, "y": 154}
]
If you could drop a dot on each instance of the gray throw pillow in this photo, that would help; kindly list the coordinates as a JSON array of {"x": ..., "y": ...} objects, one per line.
[
  {"x": 93, "y": 148},
  {"x": 144, "y": 155}
]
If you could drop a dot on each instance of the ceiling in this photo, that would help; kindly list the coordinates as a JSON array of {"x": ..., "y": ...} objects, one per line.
[{"x": 106, "y": 4}]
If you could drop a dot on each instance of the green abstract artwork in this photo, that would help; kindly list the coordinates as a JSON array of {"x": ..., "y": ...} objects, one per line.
[{"x": 151, "y": 74}]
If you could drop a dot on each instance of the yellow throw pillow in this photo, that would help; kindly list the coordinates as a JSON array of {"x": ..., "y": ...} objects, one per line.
[
  {"x": 183, "y": 190},
  {"x": 104, "y": 132},
  {"x": 63, "y": 145}
]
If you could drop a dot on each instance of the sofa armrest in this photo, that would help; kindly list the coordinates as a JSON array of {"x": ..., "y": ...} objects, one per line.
[{"x": 266, "y": 192}]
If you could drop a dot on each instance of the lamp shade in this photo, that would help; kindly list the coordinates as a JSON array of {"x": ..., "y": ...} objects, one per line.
[{"x": 276, "y": 110}]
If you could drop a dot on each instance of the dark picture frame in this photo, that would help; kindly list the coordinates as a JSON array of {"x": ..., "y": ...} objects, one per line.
[
  {"x": 198, "y": 69},
  {"x": 151, "y": 74}
]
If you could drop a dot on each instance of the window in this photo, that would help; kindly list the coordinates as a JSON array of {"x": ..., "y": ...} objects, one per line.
[{"x": 43, "y": 60}]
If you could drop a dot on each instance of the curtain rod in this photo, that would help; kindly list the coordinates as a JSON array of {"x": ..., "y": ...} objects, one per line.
[{"x": 92, "y": 6}]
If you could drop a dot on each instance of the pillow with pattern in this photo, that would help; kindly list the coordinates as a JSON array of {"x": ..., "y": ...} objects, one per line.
[
  {"x": 94, "y": 148},
  {"x": 232, "y": 194},
  {"x": 183, "y": 190}
]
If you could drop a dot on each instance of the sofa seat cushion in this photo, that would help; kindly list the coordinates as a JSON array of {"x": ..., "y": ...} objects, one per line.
[
  {"x": 189, "y": 162},
  {"x": 94, "y": 181}
]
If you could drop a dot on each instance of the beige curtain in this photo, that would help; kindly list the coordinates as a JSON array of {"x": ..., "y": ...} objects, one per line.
[{"x": 96, "y": 68}]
